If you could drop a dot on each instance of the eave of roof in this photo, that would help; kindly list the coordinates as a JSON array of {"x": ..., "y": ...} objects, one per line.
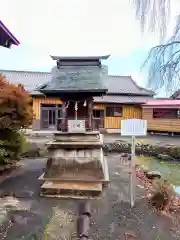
[
  {"x": 9, "y": 34},
  {"x": 117, "y": 85},
  {"x": 126, "y": 99},
  {"x": 80, "y": 57},
  {"x": 162, "y": 103}
]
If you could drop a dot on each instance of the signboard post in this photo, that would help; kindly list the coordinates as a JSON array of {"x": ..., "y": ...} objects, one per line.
[{"x": 133, "y": 128}]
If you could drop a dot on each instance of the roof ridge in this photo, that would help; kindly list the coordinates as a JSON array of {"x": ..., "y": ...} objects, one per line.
[{"x": 110, "y": 75}]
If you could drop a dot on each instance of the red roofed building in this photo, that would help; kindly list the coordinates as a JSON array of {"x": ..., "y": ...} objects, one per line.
[
  {"x": 162, "y": 115},
  {"x": 167, "y": 102}
]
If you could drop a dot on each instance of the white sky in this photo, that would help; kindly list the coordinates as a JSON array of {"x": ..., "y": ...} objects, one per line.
[
  {"x": 72, "y": 27},
  {"x": 75, "y": 27}
]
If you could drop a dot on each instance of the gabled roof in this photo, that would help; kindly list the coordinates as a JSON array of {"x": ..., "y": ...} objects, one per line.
[
  {"x": 6, "y": 37},
  {"x": 117, "y": 85},
  {"x": 30, "y": 80},
  {"x": 126, "y": 85}
]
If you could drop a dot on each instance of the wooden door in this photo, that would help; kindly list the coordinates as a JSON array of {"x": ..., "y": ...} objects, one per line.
[
  {"x": 44, "y": 118},
  {"x": 98, "y": 118}
]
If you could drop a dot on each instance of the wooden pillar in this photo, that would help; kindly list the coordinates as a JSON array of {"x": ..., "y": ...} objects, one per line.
[
  {"x": 64, "y": 117},
  {"x": 90, "y": 114}
]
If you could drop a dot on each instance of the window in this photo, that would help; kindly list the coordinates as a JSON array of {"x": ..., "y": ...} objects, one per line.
[
  {"x": 114, "y": 111},
  {"x": 59, "y": 113},
  {"x": 166, "y": 113},
  {"x": 96, "y": 113},
  {"x": 52, "y": 117}
]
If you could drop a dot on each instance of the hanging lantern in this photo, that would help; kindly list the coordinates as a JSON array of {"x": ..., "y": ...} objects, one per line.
[{"x": 85, "y": 104}]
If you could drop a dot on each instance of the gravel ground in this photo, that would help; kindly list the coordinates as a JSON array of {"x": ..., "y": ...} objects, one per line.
[{"x": 33, "y": 217}]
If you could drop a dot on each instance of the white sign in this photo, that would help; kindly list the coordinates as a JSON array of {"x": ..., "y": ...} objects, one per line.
[
  {"x": 76, "y": 126},
  {"x": 134, "y": 127}
]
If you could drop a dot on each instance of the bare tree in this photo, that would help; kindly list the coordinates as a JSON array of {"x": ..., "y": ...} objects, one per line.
[{"x": 163, "y": 60}]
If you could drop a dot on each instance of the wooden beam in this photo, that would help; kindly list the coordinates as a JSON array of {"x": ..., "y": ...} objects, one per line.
[
  {"x": 64, "y": 116},
  {"x": 90, "y": 114}
]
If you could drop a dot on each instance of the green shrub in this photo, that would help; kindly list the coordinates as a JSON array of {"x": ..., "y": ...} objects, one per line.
[
  {"x": 3, "y": 156},
  {"x": 12, "y": 144}
]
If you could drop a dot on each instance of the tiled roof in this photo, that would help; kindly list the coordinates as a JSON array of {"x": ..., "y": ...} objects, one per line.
[
  {"x": 122, "y": 99},
  {"x": 125, "y": 85},
  {"x": 77, "y": 78},
  {"x": 30, "y": 80},
  {"x": 121, "y": 85}
]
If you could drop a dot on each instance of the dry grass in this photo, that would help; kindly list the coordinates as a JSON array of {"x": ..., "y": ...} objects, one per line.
[{"x": 162, "y": 194}]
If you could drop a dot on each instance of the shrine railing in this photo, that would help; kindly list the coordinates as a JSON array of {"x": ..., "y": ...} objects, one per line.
[{"x": 97, "y": 123}]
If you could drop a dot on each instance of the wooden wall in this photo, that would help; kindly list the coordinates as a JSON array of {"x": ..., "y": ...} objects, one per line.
[
  {"x": 37, "y": 104},
  {"x": 166, "y": 125},
  {"x": 129, "y": 111}
]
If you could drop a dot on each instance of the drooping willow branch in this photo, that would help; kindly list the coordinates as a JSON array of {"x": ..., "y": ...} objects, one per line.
[
  {"x": 164, "y": 65},
  {"x": 163, "y": 61},
  {"x": 153, "y": 14}
]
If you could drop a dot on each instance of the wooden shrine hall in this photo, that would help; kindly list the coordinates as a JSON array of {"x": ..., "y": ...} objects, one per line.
[{"x": 76, "y": 80}]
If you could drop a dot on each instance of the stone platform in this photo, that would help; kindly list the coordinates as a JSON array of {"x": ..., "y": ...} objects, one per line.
[{"x": 75, "y": 167}]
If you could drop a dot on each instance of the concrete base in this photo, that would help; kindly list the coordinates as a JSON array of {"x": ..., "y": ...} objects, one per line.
[
  {"x": 36, "y": 125},
  {"x": 75, "y": 165},
  {"x": 113, "y": 130}
]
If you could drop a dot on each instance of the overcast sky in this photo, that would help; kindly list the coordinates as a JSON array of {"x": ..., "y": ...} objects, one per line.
[{"x": 75, "y": 27}]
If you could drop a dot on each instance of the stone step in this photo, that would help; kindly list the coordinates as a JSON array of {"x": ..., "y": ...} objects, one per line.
[
  {"x": 74, "y": 145},
  {"x": 71, "y": 190},
  {"x": 104, "y": 181}
]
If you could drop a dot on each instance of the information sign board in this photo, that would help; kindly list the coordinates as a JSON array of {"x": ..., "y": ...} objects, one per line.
[
  {"x": 76, "y": 126},
  {"x": 134, "y": 127}
]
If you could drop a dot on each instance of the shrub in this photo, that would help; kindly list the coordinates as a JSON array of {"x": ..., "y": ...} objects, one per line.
[
  {"x": 15, "y": 113},
  {"x": 15, "y": 106},
  {"x": 3, "y": 156},
  {"x": 12, "y": 145}
]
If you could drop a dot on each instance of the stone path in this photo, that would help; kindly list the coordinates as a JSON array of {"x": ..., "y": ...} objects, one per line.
[{"x": 31, "y": 217}]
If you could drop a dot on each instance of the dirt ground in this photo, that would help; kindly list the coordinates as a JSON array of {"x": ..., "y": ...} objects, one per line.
[{"x": 33, "y": 217}]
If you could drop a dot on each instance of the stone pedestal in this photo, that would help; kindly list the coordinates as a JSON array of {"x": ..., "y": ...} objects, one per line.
[{"x": 75, "y": 165}]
